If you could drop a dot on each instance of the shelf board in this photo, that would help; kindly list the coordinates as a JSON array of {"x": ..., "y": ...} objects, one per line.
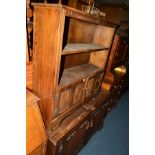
[
  {"x": 80, "y": 48},
  {"x": 70, "y": 75}
]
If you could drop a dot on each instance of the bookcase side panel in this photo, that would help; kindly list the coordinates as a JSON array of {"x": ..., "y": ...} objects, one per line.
[{"x": 48, "y": 33}]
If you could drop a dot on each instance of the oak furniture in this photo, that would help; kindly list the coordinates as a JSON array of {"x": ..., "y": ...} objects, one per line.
[
  {"x": 118, "y": 57},
  {"x": 36, "y": 138},
  {"x": 29, "y": 50},
  {"x": 77, "y": 129},
  {"x": 70, "y": 53},
  {"x": 74, "y": 54}
]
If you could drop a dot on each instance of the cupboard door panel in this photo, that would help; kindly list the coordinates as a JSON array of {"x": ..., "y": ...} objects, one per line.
[
  {"x": 78, "y": 93},
  {"x": 72, "y": 144},
  {"x": 97, "y": 119},
  {"x": 89, "y": 86},
  {"x": 98, "y": 81},
  {"x": 64, "y": 100}
]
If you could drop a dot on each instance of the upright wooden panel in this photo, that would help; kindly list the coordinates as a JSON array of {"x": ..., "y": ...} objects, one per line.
[
  {"x": 103, "y": 35},
  {"x": 46, "y": 59},
  {"x": 99, "y": 58},
  {"x": 64, "y": 100},
  {"x": 79, "y": 93},
  {"x": 29, "y": 74},
  {"x": 80, "y": 32},
  {"x": 35, "y": 130},
  {"x": 75, "y": 59},
  {"x": 27, "y": 50}
]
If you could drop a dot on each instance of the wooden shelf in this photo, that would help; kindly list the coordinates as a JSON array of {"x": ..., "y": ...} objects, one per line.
[
  {"x": 80, "y": 48},
  {"x": 70, "y": 75}
]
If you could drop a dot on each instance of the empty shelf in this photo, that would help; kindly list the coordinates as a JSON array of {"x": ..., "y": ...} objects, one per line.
[{"x": 79, "y": 48}]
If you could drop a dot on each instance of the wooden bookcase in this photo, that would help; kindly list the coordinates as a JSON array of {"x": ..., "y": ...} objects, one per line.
[{"x": 70, "y": 52}]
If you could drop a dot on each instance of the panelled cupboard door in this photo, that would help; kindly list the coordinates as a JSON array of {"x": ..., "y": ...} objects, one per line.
[
  {"x": 97, "y": 119},
  {"x": 71, "y": 96},
  {"x": 74, "y": 141}
]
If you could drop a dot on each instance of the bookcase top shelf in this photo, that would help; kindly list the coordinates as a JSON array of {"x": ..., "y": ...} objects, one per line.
[
  {"x": 78, "y": 14},
  {"x": 70, "y": 75},
  {"x": 81, "y": 48}
]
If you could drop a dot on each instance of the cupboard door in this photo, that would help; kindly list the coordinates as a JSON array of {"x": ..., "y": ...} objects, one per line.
[
  {"x": 72, "y": 143},
  {"x": 97, "y": 119}
]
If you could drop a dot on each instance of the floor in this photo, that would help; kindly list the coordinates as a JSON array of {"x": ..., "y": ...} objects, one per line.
[{"x": 113, "y": 138}]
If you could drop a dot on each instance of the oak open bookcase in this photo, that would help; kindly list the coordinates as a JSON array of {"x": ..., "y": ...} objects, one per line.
[{"x": 70, "y": 52}]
